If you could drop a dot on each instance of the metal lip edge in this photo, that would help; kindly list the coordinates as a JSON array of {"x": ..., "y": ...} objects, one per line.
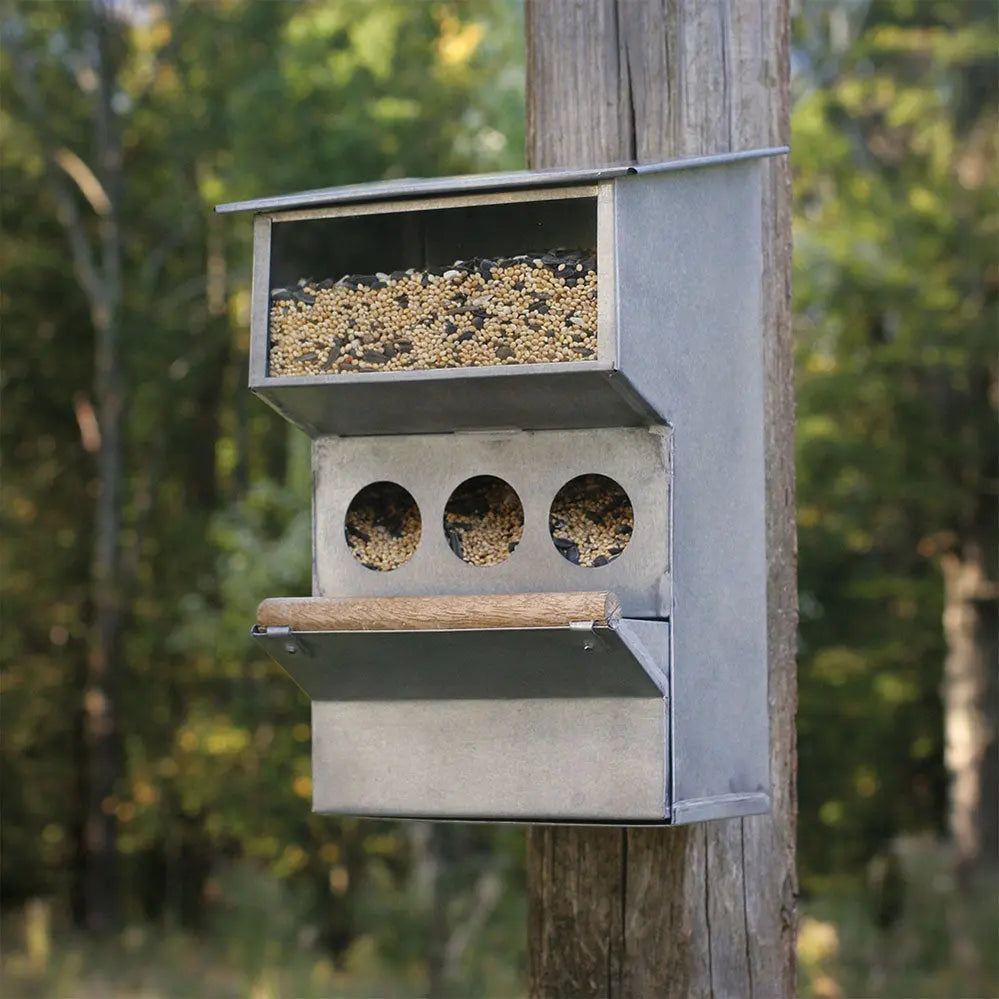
[
  {"x": 415, "y": 187},
  {"x": 412, "y": 187},
  {"x": 721, "y": 806},
  {"x": 713, "y": 159},
  {"x": 495, "y": 818},
  {"x": 558, "y": 368},
  {"x": 634, "y": 399},
  {"x": 285, "y": 632}
]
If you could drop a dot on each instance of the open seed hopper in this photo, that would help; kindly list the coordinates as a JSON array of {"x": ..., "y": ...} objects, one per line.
[{"x": 539, "y": 566}]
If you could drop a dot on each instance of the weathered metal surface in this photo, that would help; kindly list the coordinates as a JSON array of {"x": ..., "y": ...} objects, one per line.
[{"x": 553, "y": 759}]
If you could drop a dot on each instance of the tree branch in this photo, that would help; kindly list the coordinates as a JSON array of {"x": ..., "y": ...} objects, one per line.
[
  {"x": 485, "y": 898},
  {"x": 82, "y": 253},
  {"x": 84, "y": 178}
]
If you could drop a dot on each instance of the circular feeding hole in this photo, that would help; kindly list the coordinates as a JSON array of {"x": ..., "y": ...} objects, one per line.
[
  {"x": 591, "y": 520},
  {"x": 483, "y": 520},
  {"x": 382, "y": 526}
]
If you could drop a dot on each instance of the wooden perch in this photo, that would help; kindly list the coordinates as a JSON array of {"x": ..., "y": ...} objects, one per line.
[{"x": 517, "y": 610}]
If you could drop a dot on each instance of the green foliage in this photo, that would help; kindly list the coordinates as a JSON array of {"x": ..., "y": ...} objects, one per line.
[
  {"x": 940, "y": 944},
  {"x": 897, "y": 214}
]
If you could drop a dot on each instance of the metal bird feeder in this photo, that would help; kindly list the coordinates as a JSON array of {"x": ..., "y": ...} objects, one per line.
[{"x": 539, "y": 561}]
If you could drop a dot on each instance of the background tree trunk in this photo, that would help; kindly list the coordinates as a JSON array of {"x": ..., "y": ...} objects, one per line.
[
  {"x": 103, "y": 757},
  {"x": 710, "y": 909},
  {"x": 971, "y": 628},
  {"x": 97, "y": 266}
]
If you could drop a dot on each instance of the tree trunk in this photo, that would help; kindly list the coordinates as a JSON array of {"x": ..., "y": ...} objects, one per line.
[
  {"x": 103, "y": 764},
  {"x": 709, "y": 909},
  {"x": 971, "y": 629}
]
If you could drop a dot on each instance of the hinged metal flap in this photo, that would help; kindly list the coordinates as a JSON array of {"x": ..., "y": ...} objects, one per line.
[{"x": 481, "y": 664}]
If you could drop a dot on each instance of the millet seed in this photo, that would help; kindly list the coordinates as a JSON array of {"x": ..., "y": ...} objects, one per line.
[
  {"x": 591, "y": 520},
  {"x": 520, "y": 310}
]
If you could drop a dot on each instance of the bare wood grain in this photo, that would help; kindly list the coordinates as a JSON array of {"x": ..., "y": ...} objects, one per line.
[
  {"x": 517, "y": 610},
  {"x": 707, "y": 910}
]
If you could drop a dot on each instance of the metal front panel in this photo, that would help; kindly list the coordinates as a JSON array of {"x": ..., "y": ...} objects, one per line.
[
  {"x": 688, "y": 273},
  {"x": 536, "y": 465},
  {"x": 580, "y": 759}
]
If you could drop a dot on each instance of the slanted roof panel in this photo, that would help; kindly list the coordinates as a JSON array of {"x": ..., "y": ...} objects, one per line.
[{"x": 417, "y": 187}]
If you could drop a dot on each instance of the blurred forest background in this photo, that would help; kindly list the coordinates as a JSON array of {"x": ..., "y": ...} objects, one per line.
[{"x": 156, "y": 832}]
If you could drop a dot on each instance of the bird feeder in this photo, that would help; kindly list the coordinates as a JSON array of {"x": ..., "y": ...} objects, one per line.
[{"x": 539, "y": 563}]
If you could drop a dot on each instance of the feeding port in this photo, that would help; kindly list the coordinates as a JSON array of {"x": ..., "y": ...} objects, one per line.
[
  {"x": 591, "y": 521},
  {"x": 382, "y": 526},
  {"x": 483, "y": 520}
]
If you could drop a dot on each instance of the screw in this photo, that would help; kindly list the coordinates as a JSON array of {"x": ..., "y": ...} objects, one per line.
[
  {"x": 587, "y": 646},
  {"x": 291, "y": 648}
]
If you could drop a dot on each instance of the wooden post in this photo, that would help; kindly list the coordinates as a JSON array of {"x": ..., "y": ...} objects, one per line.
[{"x": 706, "y": 910}]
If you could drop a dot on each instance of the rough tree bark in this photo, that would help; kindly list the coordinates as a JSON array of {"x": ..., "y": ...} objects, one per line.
[{"x": 707, "y": 910}]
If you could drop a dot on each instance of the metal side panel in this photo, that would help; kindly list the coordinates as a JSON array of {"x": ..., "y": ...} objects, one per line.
[{"x": 688, "y": 248}]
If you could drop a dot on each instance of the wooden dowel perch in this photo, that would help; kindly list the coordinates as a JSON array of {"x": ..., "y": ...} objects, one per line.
[{"x": 518, "y": 610}]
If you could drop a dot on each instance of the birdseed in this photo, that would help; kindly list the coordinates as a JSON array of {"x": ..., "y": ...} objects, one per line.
[
  {"x": 483, "y": 520},
  {"x": 382, "y": 526},
  {"x": 591, "y": 520},
  {"x": 529, "y": 309}
]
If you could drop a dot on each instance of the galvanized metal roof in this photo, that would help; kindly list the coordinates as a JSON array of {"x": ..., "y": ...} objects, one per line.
[{"x": 414, "y": 187}]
